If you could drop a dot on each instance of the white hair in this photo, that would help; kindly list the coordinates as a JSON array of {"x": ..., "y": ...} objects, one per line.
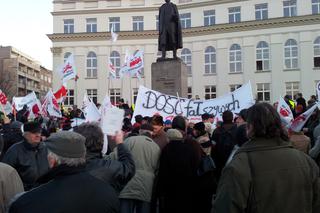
[{"x": 68, "y": 161}]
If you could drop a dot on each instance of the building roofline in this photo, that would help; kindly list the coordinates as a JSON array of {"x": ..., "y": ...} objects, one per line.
[
  {"x": 194, "y": 31},
  {"x": 136, "y": 9}
]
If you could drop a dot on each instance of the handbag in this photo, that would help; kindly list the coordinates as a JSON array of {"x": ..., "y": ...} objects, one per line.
[{"x": 206, "y": 165}]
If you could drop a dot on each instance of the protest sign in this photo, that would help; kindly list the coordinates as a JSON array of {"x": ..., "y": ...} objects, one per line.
[
  {"x": 112, "y": 120},
  {"x": 150, "y": 102}
]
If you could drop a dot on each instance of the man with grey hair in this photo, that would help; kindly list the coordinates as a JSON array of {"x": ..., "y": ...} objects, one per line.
[
  {"x": 29, "y": 157},
  {"x": 70, "y": 188}
]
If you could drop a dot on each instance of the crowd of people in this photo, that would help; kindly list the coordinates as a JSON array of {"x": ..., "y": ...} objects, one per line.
[{"x": 248, "y": 162}]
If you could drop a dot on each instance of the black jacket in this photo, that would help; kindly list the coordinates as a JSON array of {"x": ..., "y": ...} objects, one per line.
[
  {"x": 10, "y": 137},
  {"x": 115, "y": 172},
  {"x": 30, "y": 162},
  {"x": 71, "y": 189}
]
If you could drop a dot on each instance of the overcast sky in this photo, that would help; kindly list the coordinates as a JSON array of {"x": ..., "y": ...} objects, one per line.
[{"x": 24, "y": 25}]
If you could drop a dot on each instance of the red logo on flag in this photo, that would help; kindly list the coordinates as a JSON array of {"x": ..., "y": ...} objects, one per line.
[
  {"x": 67, "y": 68},
  {"x": 284, "y": 112},
  {"x": 3, "y": 98}
]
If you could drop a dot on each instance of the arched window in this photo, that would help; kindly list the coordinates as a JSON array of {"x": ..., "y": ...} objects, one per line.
[
  {"x": 187, "y": 58},
  {"x": 210, "y": 60},
  {"x": 235, "y": 58},
  {"x": 66, "y": 56},
  {"x": 316, "y": 53},
  {"x": 291, "y": 54},
  {"x": 115, "y": 60},
  {"x": 262, "y": 56},
  {"x": 91, "y": 65}
]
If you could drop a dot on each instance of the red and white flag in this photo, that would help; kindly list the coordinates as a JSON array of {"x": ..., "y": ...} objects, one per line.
[
  {"x": 297, "y": 124},
  {"x": 50, "y": 105},
  {"x": 68, "y": 70},
  {"x": 285, "y": 112},
  {"x": 112, "y": 70},
  {"x": 60, "y": 94}
]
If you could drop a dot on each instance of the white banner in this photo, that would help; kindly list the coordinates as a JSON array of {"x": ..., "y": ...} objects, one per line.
[
  {"x": 29, "y": 100},
  {"x": 150, "y": 102}
]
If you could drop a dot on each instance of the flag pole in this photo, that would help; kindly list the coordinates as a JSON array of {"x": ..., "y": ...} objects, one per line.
[{"x": 179, "y": 103}]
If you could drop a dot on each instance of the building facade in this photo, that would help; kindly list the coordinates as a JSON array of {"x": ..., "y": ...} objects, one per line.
[
  {"x": 20, "y": 74},
  {"x": 274, "y": 44}
]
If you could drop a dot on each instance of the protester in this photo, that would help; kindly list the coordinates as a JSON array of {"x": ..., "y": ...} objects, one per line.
[
  {"x": 291, "y": 103},
  {"x": 300, "y": 141},
  {"x": 69, "y": 187},
  {"x": 115, "y": 172},
  {"x": 225, "y": 139},
  {"x": 179, "y": 188},
  {"x": 241, "y": 132},
  {"x": 180, "y": 124},
  {"x": 10, "y": 183},
  {"x": 202, "y": 137},
  {"x": 29, "y": 157},
  {"x": 167, "y": 125},
  {"x": 159, "y": 136},
  {"x": 301, "y": 101},
  {"x": 208, "y": 121},
  {"x": 11, "y": 134},
  {"x": 311, "y": 124},
  {"x": 268, "y": 162},
  {"x": 136, "y": 195}
]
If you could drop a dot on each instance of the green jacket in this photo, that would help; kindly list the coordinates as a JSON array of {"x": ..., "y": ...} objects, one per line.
[
  {"x": 145, "y": 153},
  {"x": 285, "y": 180}
]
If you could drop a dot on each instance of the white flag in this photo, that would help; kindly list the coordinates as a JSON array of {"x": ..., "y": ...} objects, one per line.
[
  {"x": 298, "y": 122},
  {"x": 68, "y": 70},
  {"x": 134, "y": 66},
  {"x": 285, "y": 112},
  {"x": 50, "y": 105},
  {"x": 90, "y": 110},
  {"x": 114, "y": 36},
  {"x": 7, "y": 108}
]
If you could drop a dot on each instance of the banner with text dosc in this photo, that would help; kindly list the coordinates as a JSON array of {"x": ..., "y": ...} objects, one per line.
[{"x": 150, "y": 102}]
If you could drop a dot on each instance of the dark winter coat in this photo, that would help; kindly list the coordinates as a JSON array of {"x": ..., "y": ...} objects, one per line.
[
  {"x": 282, "y": 180},
  {"x": 115, "y": 172},
  {"x": 10, "y": 137},
  {"x": 169, "y": 27},
  {"x": 70, "y": 189},
  {"x": 31, "y": 162}
]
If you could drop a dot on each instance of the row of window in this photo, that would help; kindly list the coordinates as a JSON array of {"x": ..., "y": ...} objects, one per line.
[
  {"x": 291, "y": 58},
  {"x": 263, "y": 92},
  {"x": 209, "y": 17}
]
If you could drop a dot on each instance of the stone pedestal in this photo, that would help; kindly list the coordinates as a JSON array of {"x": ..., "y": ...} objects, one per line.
[{"x": 170, "y": 77}]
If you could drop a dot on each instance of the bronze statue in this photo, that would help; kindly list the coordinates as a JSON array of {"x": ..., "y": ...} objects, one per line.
[{"x": 170, "y": 34}]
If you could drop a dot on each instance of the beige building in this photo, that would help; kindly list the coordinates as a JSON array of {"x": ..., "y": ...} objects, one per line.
[
  {"x": 274, "y": 44},
  {"x": 20, "y": 74}
]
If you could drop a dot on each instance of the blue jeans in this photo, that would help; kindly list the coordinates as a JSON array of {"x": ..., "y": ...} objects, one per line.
[{"x": 134, "y": 206}]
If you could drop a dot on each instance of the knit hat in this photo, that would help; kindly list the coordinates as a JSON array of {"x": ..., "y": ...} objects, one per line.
[
  {"x": 33, "y": 127},
  {"x": 67, "y": 144},
  {"x": 174, "y": 134}
]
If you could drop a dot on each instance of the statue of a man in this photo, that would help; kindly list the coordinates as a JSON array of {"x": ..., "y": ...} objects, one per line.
[{"x": 170, "y": 34}]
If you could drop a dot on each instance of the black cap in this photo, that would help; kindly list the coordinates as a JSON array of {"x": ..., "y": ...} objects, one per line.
[
  {"x": 33, "y": 127},
  {"x": 243, "y": 114},
  {"x": 199, "y": 126}
]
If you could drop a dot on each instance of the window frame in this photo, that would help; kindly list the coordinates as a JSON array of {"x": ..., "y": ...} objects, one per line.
[
  {"x": 68, "y": 28},
  {"x": 115, "y": 22},
  {"x": 261, "y": 11},
  {"x": 92, "y": 65},
  {"x": 91, "y": 25},
  {"x": 289, "y": 8},
  {"x": 187, "y": 59},
  {"x": 209, "y": 18},
  {"x": 291, "y": 49},
  {"x": 264, "y": 50},
  {"x": 211, "y": 64},
  {"x": 234, "y": 63},
  {"x": 185, "y": 20},
  {"x": 234, "y": 14},
  {"x": 137, "y": 23}
]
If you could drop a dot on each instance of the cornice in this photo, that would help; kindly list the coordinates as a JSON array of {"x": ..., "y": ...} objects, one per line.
[
  {"x": 137, "y": 9},
  {"x": 194, "y": 31}
]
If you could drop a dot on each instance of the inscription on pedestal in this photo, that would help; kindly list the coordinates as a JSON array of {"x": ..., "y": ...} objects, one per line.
[{"x": 170, "y": 77}]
